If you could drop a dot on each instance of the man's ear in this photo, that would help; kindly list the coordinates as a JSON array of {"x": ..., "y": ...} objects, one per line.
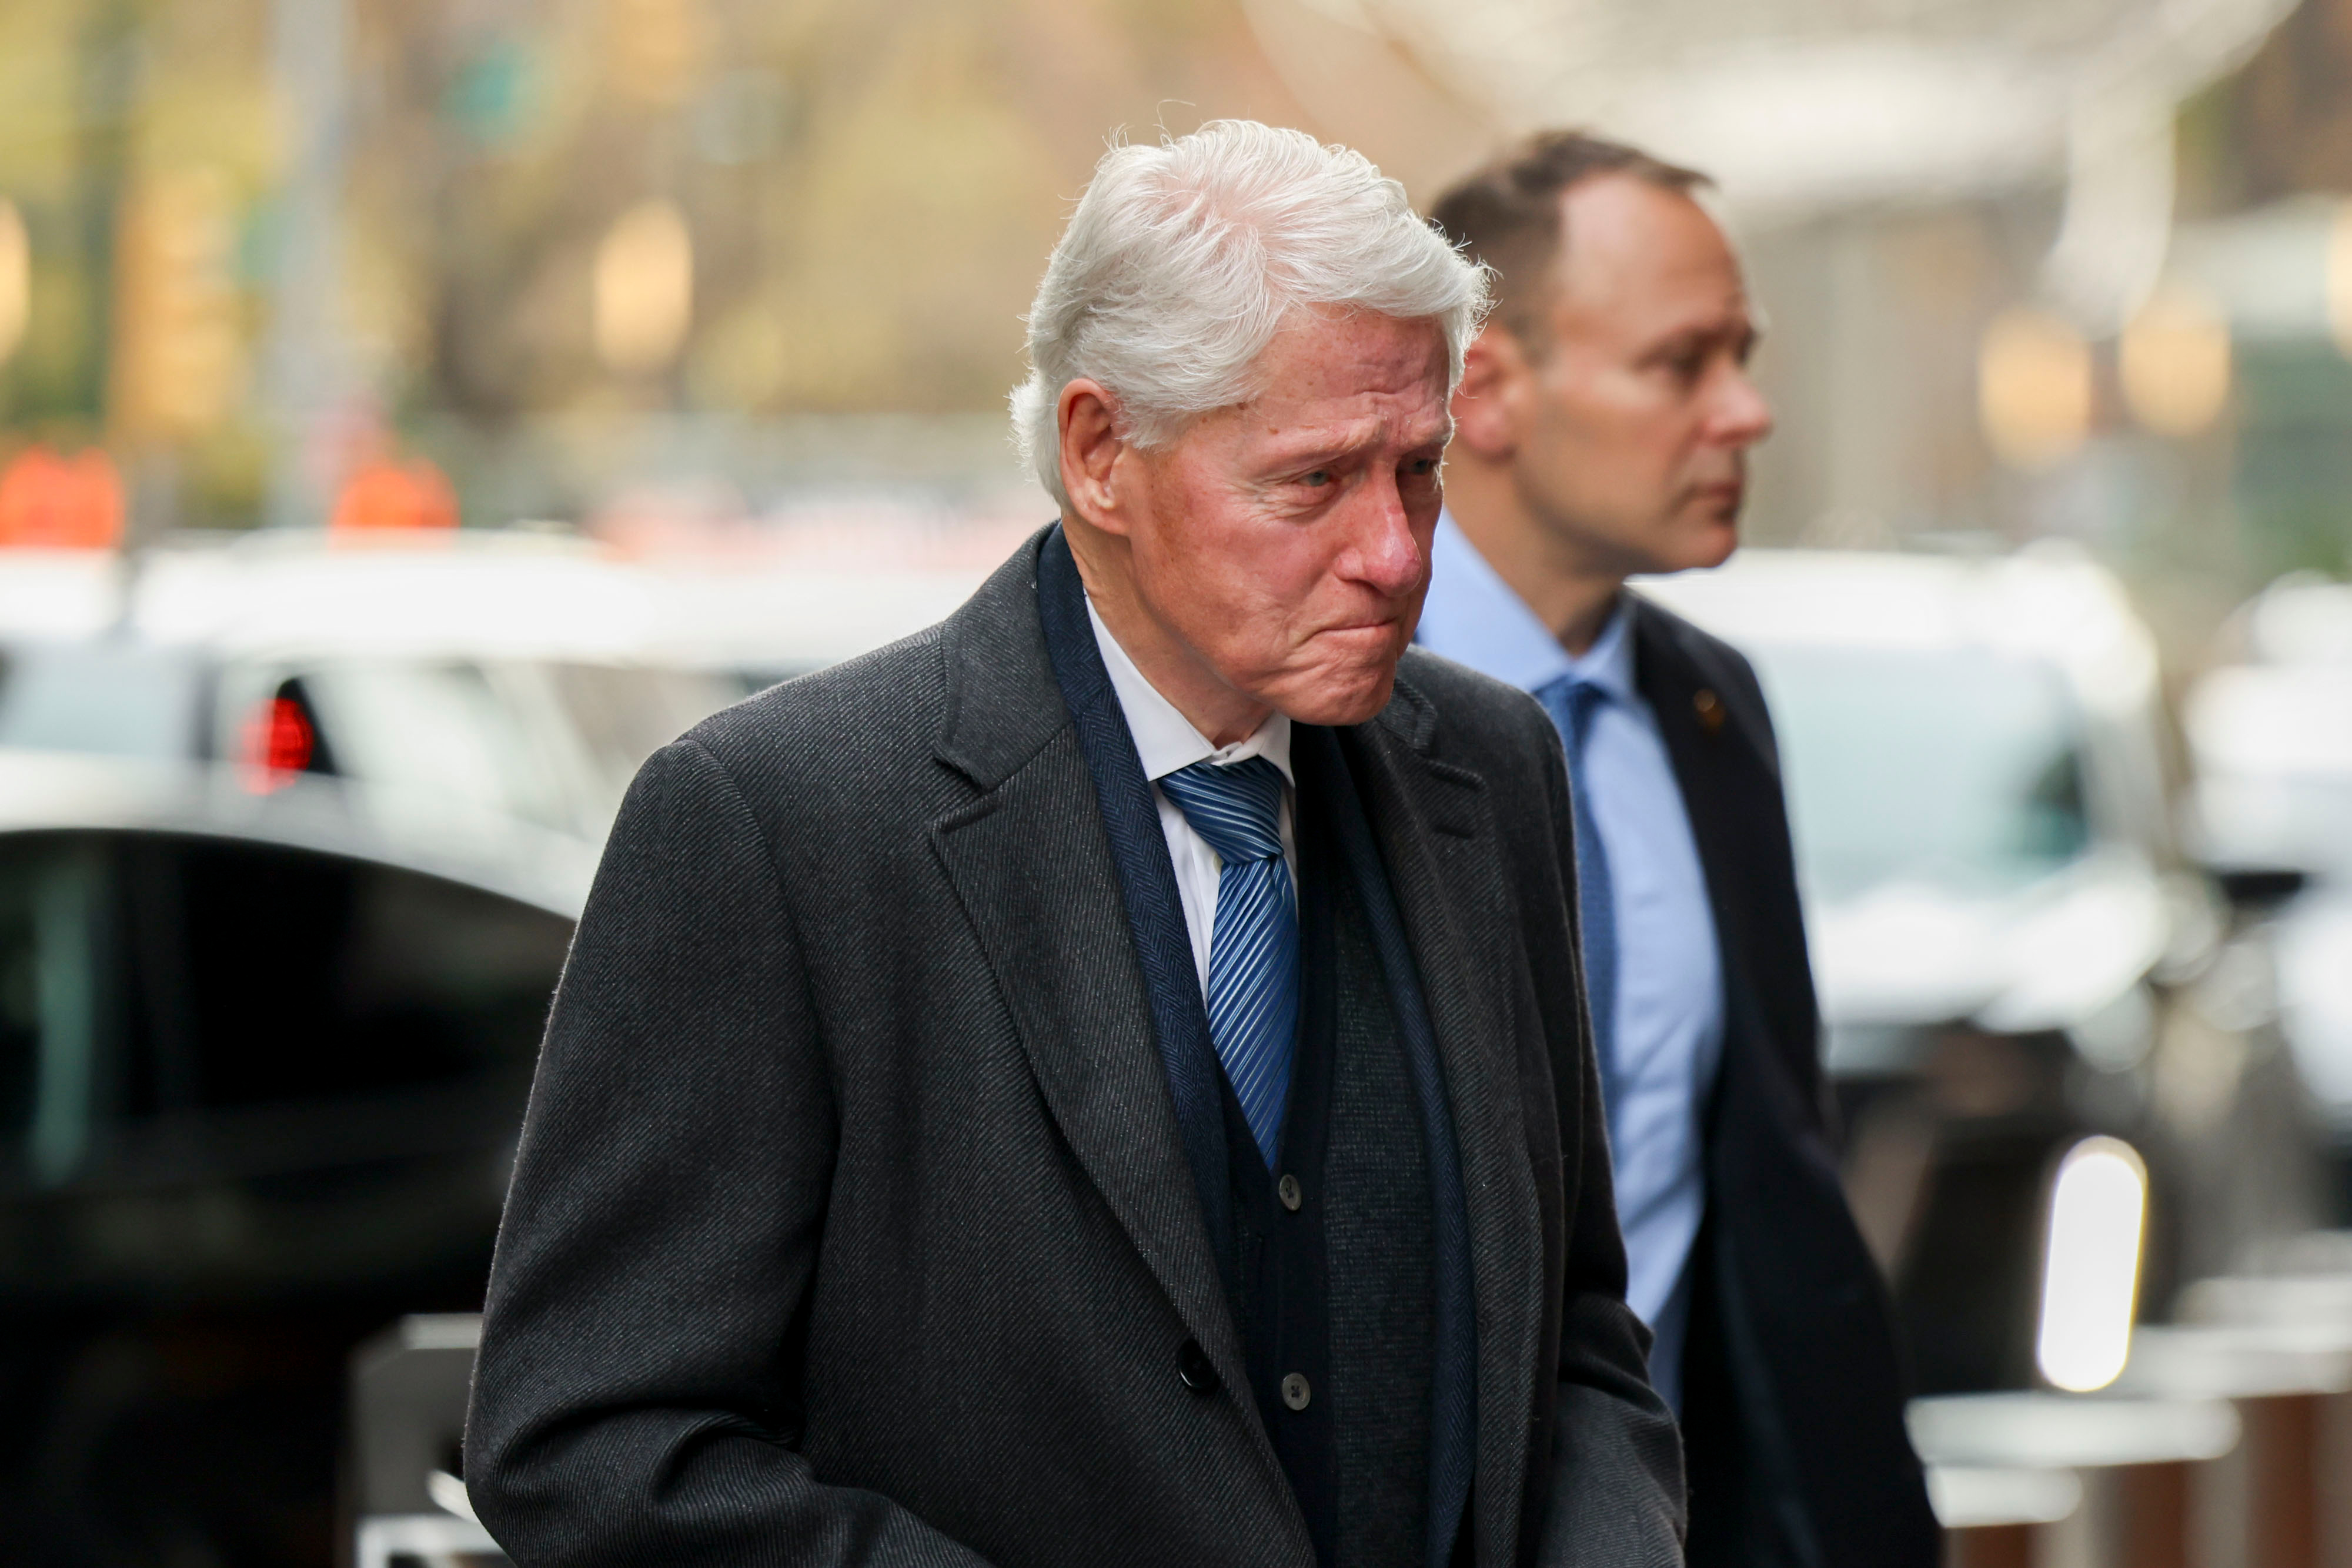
[
  {"x": 1486, "y": 405},
  {"x": 1087, "y": 420}
]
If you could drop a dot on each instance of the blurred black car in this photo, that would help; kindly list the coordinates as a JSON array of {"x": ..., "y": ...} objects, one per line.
[
  {"x": 291, "y": 839},
  {"x": 261, "y": 1068}
]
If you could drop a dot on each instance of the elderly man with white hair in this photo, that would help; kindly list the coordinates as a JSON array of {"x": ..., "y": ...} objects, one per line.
[{"x": 1107, "y": 1080}]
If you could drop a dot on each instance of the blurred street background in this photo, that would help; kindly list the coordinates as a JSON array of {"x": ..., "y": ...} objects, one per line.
[{"x": 414, "y": 412}]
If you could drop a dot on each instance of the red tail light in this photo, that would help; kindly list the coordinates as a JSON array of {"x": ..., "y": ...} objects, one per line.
[{"x": 278, "y": 743}]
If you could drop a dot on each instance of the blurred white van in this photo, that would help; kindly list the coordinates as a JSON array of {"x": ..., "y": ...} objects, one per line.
[
  {"x": 2271, "y": 734},
  {"x": 2010, "y": 953}
]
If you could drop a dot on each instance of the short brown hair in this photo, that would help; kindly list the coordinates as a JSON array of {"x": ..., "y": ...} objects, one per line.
[{"x": 1508, "y": 214}]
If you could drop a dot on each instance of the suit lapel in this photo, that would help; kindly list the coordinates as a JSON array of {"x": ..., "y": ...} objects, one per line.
[
  {"x": 1702, "y": 738},
  {"x": 1436, "y": 836},
  {"x": 1030, "y": 863},
  {"x": 1704, "y": 756}
]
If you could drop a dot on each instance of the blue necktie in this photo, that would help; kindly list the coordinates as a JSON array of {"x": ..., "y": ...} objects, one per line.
[
  {"x": 1253, "y": 942},
  {"x": 1571, "y": 704}
]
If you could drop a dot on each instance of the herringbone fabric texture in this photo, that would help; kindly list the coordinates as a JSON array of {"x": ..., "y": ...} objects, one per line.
[{"x": 1254, "y": 943}]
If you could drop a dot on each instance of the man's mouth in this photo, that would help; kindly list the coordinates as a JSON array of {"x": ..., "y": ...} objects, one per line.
[{"x": 1384, "y": 627}]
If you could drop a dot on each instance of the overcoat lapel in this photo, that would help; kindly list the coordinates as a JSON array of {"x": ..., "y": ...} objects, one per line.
[
  {"x": 1030, "y": 862},
  {"x": 1436, "y": 833},
  {"x": 1056, "y": 934}
]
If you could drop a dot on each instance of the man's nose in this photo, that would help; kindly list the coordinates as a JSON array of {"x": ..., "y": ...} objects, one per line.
[
  {"x": 1389, "y": 557},
  {"x": 1743, "y": 417}
]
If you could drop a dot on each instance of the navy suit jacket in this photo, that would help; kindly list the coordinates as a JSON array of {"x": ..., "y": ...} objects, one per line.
[{"x": 1792, "y": 1410}]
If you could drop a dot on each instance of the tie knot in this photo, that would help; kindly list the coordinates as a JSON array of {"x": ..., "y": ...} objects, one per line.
[
  {"x": 1572, "y": 701},
  {"x": 1237, "y": 808}
]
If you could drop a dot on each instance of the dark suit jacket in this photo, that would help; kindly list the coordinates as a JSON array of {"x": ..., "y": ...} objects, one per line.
[
  {"x": 1793, "y": 1397},
  {"x": 851, "y": 1222}
]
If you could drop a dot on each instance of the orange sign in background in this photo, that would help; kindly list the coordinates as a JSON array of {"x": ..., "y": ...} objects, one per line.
[
  {"x": 394, "y": 495},
  {"x": 60, "y": 503}
]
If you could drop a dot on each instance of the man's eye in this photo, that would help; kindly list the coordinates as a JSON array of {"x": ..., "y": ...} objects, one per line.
[
  {"x": 1421, "y": 467},
  {"x": 1316, "y": 478}
]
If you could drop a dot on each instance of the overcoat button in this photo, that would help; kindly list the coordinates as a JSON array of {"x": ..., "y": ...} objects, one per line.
[
  {"x": 1287, "y": 1191},
  {"x": 1295, "y": 1392},
  {"x": 1192, "y": 1364}
]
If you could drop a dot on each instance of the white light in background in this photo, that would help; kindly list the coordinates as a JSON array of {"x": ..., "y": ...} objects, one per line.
[
  {"x": 2033, "y": 388},
  {"x": 15, "y": 280},
  {"x": 643, "y": 295},
  {"x": 2174, "y": 361},
  {"x": 2090, "y": 1278}
]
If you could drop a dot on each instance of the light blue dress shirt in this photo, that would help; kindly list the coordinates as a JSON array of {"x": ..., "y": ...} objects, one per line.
[{"x": 1669, "y": 1011}]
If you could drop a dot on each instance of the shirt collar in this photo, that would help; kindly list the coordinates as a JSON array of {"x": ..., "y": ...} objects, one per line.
[
  {"x": 1164, "y": 738},
  {"x": 1472, "y": 617}
]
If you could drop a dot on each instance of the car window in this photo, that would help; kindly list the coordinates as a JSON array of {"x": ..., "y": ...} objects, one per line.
[
  {"x": 1959, "y": 770},
  {"x": 549, "y": 742},
  {"x": 306, "y": 976},
  {"x": 145, "y": 974},
  {"x": 624, "y": 716},
  {"x": 53, "y": 1002},
  {"x": 119, "y": 700},
  {"x": 435, "y": 729}
]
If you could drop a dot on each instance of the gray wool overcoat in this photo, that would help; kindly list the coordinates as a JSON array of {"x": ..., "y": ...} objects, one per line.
[{"x": 850, "y": 1223}]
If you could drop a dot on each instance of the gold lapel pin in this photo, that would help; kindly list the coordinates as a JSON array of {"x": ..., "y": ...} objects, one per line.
[{"x": 1709, "y": 708}]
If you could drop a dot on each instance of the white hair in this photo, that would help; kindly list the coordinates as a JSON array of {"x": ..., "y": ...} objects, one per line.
[{"x": 1184, "y": 259}]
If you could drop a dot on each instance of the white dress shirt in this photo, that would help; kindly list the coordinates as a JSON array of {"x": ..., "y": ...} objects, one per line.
[
  {"x": 1167, "y": 742},
  {"x": 1669, "y": 1009}
]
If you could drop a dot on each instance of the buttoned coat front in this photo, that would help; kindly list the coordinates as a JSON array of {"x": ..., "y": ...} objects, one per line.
[{"x": 851, "y": 1224}]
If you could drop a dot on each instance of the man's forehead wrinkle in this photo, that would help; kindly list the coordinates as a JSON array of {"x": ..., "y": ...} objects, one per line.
[
  {"x": 1361, "y": 434},
  {"x": 1348, "y": 410}
]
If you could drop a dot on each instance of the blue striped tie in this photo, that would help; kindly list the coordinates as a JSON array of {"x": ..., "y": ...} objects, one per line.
[
  {"x": 1253, "y": 942},
  {"x": 1571, "y": 704}
]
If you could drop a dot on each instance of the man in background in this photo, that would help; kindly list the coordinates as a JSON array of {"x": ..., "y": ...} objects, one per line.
[{"x": 1601, "y": 428}]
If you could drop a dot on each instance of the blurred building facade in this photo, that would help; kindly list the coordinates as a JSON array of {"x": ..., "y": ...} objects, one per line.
[
  {"x": 522, "y": 237},
  {"x": 710, "y": 259}
]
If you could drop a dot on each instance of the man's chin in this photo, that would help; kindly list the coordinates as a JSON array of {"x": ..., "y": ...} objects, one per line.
[
  {"x": 1705, "y": 543},
  {"x": 1338, "y": 700}
]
